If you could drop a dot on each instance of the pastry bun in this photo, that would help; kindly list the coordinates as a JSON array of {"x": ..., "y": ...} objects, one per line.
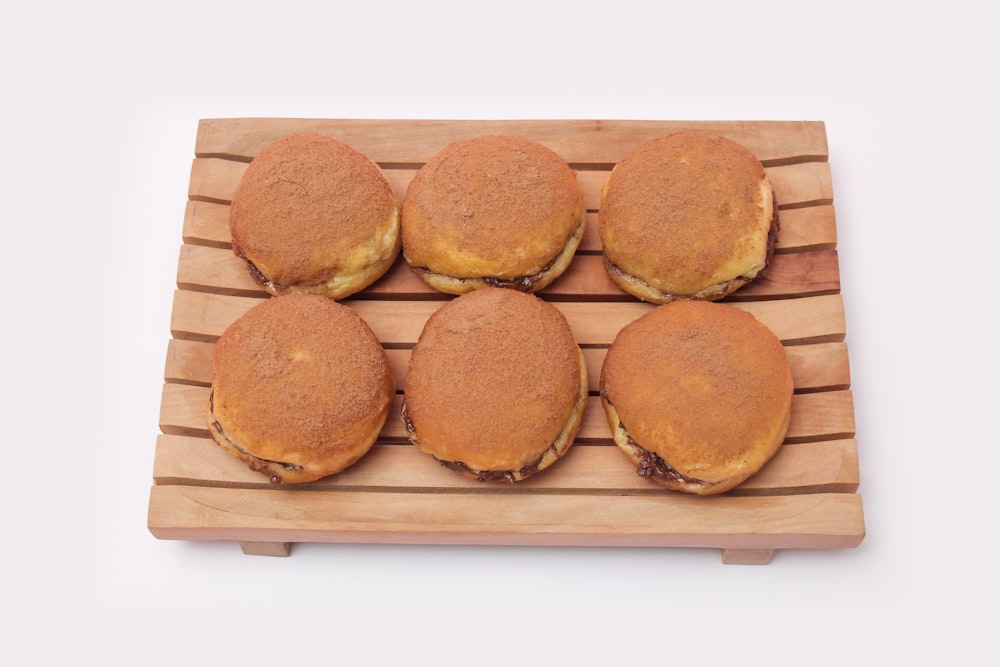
[
  {"x": 698, "y": 395},
  {"x": 312, "y": 215},
  {"x": 688, "y": 216},
  {"x": 492, "y": 211},
  {"x": 301, "y": 388},
  {"x": 496, "y": 387}
]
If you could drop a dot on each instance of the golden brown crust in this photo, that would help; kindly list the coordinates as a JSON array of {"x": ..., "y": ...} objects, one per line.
[
  {"x": 494, "y": 207},
  {"x": 688, "y": 216},
  {"x": 705, "y": 386},
  {"x": 311, "y": 214},
  {"x": 299, "y": 380},
  {"x": 496, "y": 381}
]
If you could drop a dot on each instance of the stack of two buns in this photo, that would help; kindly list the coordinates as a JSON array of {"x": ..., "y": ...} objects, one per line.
[
  {"x": 691, "y": 215},
  {"x": 301, "y": 388},
  {"x": 698, "y": 395},
  {"x": 496, "y": 387},
  {"x": 312, "y": 215},
  {"x": 492, "y": 211}
]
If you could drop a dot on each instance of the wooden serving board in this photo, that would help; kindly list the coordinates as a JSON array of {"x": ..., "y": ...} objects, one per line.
[{"x": 805, "y": 498}]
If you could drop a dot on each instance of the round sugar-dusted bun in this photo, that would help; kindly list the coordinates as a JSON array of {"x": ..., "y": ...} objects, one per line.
[
  {"x": 496, "y": 387},
  {"x": 301, "y": 388},
  {"x": 690, "y": 215},
  {"x": 492, "y": 211},
  {"x": 312, "y": 215},
  {"x": 697, "y": 394}
]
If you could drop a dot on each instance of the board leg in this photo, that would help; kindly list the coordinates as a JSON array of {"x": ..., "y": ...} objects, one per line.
[
  {"x": 747, "y": 556},
  {"x": 266, "y": 548}
]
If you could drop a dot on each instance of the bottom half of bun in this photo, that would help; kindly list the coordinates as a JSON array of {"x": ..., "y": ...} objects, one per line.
[
  {"x": 531, "y": 282},
  {"x": 652, "y": 466},
  {"x": 748, "y": 261},
  {"x": 310, "y": 467},
  {"x": 640, "y": 288},
  {"x": 348, "y": 274}
]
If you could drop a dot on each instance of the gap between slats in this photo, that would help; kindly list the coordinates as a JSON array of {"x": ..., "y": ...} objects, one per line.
[
  {"x": 829, "y": 466},
  {"x": 795, "y": 186}
]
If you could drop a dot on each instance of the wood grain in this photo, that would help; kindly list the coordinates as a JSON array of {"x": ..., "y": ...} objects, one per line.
[
  {"x": 583, "y": 142},
  {"x": 805, "y": 498},
  {"x": 802, "y": 521}
]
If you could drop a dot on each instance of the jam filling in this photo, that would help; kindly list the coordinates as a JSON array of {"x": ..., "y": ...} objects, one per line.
[
  {"x": 257, "y": 274},
  {"x": 521, "y": 283},
  {"x": 272, "y": 285},
  {"x": 495, "y": 475},
  {"x": 654, "y": 467},
  {"x": 738, "y": 281}
]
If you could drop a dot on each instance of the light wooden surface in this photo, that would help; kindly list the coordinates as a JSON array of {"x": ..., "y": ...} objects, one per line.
[{"x": 805, "y": 498}]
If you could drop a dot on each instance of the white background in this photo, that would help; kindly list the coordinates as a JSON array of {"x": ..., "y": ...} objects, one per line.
[{"x": 99, "y": 120}]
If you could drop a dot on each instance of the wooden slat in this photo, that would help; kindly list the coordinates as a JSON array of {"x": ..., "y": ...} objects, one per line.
[
  {"x": 817, "y": 416},
  {"x": 824, "y": 415},
  {"x": 578, "y": 141},
  {"x": 821, "y": 520},
  {"x": 810, "y": 228},
  {"x": 796, "y": 185},
  {"x": 204, "y": 316},
  {"x": 817, "y": 467},
  {"x": 802, "y": 229},
  {"x": 818, "y": 367},
  {"x": 206, "y": 223}
]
